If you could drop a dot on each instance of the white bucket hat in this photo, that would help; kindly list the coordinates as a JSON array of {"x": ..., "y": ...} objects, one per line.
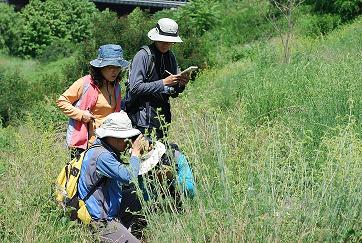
[
  {"x": 117, "y": 125},
  {"x": 166, "y": 30},
  {"x": 151, "y": 159}
]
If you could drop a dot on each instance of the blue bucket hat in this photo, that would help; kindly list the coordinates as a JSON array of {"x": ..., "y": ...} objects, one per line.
[{"x": 110, "y": 55}]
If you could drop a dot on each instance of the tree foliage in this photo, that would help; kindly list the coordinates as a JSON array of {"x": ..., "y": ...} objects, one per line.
[
  {"x": 347, "y": 9},
  {"x": 8, "y": 27},
  {"x": 106, "y": 28},
  {"x": 134, "y": 33},
  {"x": 198, "y": 17},
  {"x": 45, "y": 22}
]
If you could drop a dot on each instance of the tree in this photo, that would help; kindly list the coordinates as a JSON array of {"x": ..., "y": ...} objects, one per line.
[
  {"x": 44, "y": 22},
  {"x": 9, "y": 31},
  {"x": 285, "y": 9}
]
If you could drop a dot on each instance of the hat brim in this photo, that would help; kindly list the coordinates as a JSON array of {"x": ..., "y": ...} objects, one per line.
[
  {"x": 153, "y": 157},
  {"x": 102, "y": 63},
  {"x": 155, "y": 36},
  {"x": 101, "y": 133}
]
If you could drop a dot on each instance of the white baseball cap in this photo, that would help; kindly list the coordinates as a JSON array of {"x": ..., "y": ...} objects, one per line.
[
  {"x": 117, "y": 125},
  {"x": 151, "y": 159},
  {"x": 166, "y": 30}
]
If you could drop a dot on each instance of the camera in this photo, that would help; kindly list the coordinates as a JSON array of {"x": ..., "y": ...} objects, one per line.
[
  {"x": 130, "y": 140},
  {"x": 134, "y": 138},
  {"x": 170, "y": 90}
]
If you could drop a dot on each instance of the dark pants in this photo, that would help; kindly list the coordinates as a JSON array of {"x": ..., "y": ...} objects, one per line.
[{"x": 129, "y": 213}]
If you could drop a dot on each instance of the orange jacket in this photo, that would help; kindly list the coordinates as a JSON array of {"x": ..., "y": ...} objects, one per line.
[{"x": 84, "y": 95}]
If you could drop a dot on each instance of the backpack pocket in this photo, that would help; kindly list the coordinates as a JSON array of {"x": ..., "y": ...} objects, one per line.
[{"x": 83, "y": 214}]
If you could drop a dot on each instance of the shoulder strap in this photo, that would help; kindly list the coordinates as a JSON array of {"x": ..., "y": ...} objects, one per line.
[
  {"x": 87, "y": 84},
  {"x": 128, "y": 101},
  {"x": 150, "y": 65},
  {"x": 151, "y": 61},
  {"x": 100, "y": 181},
  {"x": 93, "y": 189},
  {"x": 173, "y": 62}
]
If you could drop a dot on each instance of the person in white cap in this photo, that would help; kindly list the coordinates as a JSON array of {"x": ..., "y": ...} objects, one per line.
[
  {"x": 103, "y": 176},
  {"x": 153, "y": 78}
]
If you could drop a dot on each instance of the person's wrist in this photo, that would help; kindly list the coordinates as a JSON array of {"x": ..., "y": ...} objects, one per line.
[
  {"x": 84, "y": 119},
  {"x": 81, "y": 115},
  {"x": 135, "y": 153}
]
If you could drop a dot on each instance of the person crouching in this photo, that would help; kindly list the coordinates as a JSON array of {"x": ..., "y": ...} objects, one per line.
[{"x": 103, "y": 169}]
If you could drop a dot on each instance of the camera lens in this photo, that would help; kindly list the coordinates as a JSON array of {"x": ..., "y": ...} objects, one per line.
[{"x": 172, "y": 90}]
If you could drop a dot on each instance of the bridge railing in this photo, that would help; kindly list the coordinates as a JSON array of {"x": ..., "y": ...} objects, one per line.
[{"x": 147, "y": 3}]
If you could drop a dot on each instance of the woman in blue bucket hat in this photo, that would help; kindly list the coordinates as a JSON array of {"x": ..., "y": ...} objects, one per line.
[{"x": 91, "y": 98}]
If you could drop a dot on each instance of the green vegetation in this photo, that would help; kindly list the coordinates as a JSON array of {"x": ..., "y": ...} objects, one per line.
[
  {"x": 276, "y": 148},
  {"x": 43, "y": 25},
  {"x": 346, "y": 9},
  {"x": 8, "y": 30}
]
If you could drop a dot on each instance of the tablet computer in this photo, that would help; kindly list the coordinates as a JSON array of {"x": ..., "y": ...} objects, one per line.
[{"x": 189, "y": 70}]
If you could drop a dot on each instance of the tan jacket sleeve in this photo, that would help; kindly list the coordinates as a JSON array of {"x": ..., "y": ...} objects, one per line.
[{"x": 69, "y": 97}]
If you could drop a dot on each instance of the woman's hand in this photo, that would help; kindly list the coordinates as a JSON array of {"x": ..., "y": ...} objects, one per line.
[
  {"x": 87, "y": 116},
  {"x": 139, "y": 146},
  {"x": 184, "y": 79}
]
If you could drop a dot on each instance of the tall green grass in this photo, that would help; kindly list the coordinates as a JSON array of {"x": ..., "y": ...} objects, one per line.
[
  {"x": 316, "y": 91},
  {"x": 30, "y": 164},
  {"x": 265, "y": 184}
]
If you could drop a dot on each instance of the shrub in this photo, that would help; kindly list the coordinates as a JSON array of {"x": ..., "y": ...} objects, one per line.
[
  {"x": 347, "y": 9},
  {"x": 315, "y": 25},
  {"x": 59, "y": 48},
  {"x": 55, "y": 77},
  {"x": 243, "y": 23},
  {"x": 13, "y": 96},
  {"x": 46, "y": 115},
  {"x": 47, "y": 21},
  {"x": 107, "y": 28},
  {"x": 129, "y": 32},
  {"x": 198, "y": 17},
  {"x": 192, "y": 51}
]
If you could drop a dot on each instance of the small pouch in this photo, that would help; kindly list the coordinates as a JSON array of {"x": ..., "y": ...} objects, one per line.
[{"x": 83, "y": 213}]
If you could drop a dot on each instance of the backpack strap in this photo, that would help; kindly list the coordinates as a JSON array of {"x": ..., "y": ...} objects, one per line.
[
  {"x": 151, "y": 61},
  {"x": 152, "y": 58},
  {"x": 100, "y": 181},
  {"x": 173, "y": 62},
  {"x": 150, "y": 64},
  {"x": 150, "y": 67},
  {"x": 93, "y": 189}
]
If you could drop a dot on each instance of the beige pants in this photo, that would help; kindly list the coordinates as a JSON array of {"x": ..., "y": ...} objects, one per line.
[{"x": 114, "y": 231}]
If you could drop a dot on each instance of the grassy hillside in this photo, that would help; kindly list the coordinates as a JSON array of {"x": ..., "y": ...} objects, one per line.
[
  {"x": 276, "y": 148},
  {"x": 276, "y": 151}
]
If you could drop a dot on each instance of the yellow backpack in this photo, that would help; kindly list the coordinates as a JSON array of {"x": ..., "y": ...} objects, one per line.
[{"x": 66, "y": 189}]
